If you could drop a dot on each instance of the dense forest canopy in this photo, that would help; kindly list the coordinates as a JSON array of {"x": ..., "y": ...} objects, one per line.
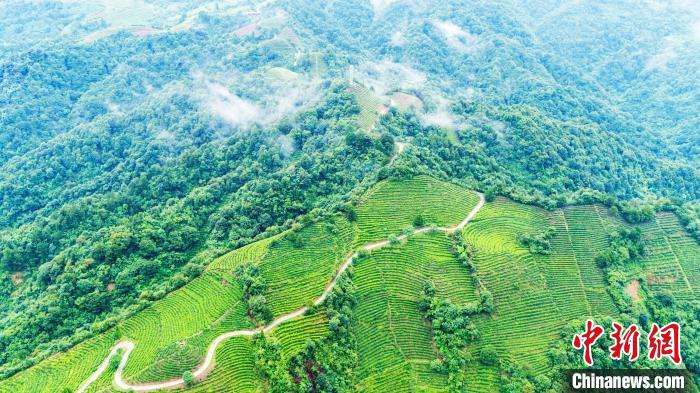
[{"x": 138, "y": 141}]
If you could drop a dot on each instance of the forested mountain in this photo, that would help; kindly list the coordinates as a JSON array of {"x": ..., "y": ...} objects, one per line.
[{"x": 139, "y": 141}]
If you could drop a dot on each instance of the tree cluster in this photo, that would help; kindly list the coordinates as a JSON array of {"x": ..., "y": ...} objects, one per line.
[
  {"x": 254, "y": 293},
  {"x": 452, "y": 331},
  {"x": 538, "y": 243}
]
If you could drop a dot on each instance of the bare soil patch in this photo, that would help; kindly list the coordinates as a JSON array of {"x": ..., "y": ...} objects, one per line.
[
  {"x": 248, "y": 29},
  {"x": 17, "y": 278},
  {"x": 632, "y": 289},
  {"x": 144, "y": 31}
]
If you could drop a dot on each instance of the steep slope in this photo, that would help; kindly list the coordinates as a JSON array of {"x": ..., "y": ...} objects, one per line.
[{"x": 535, "y": 295}]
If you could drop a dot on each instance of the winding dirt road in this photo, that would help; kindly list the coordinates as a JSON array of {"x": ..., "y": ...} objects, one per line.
[{"x": 202, "y": 370}]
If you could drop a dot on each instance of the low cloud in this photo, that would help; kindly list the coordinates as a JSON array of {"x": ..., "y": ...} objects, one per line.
[
  {"x": 441, "y": 116},
  {"x": 677, "y": 48},
  {"x": 379, "y": 6},
  {"x": 273, "y": 100},
  {"x": 230, "y": 107},
  {"x": 688, "y": 6},
  {"x": 165, "y": 136},
  {"x": 659, "y": 62},
  {"x": 385, "y": 76},
  {"x": 397, "y": 39},
  {"x": 112, "y": 107},
  {"x": 456, "y": 37},
  {"x": 291, "y": 98},
  {"x": 670, "y": 48},
  {"x": 286, "y": 145}
]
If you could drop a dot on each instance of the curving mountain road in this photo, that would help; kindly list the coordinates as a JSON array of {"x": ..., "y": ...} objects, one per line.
[{"x": 202, "y": 370}]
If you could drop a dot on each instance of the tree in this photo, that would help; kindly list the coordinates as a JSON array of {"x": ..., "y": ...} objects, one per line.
[
  {"x": 419, "y": 221},
  {"x": 188, "y": 378},
  {"x": 487, "y": 301},
  {"x": 358, "y": 141},
  {"x": 637, "y": 214},
  {"x": 490, "y": 194},
  {"x": 666, "y": 298},
  {"x": 488, "y": 356},
  {"x": 258, "y": 309},
  {"x": 296, "y": 240},
  {"x": 351, "y": 214},
  {"x": 644, "y": 320},
  {"x": 385, "y": 143}
]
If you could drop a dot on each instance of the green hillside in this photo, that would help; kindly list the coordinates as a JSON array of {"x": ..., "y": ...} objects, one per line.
[
  {"x": 344, "y": 195},
  {"x": 395, "y": 344},
  {"x": 391, "y": 207},
  {"x": 535, "y": 295}
]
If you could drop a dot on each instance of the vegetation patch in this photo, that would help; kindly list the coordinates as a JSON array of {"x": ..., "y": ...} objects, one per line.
[
  {"x": 324, "y": 364},
  {"x": 452, "y": 331},
  {"x": 538, "y": 243},
  {"x": 253, "y": 293}
]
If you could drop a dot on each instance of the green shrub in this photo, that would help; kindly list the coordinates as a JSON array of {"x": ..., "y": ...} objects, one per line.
[
  {"x": 419, "y": 221},
  {"x": 188, "y": 378},
  {"x": 114, "y": 362},
  {"x": 486, "y": 299},
  {"x": 538, "y": 243},
  {"x": 488, "y": 356}
]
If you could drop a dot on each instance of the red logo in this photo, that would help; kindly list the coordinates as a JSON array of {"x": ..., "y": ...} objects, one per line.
[
  {"x": 586, "y": 340},
  {"x": 626, "y": 342},
  {"x": 663, "y": 342}
]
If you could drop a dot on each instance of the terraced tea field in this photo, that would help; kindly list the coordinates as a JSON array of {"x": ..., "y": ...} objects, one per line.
[
  {"x": 235, "y": 369},
  {"x": 293, "y": 335},
  {"x": 369, "y": 105},
  {"x": 394, "y": 341},
  {"x": 213, "y": 303},
  {"x": 672, "y": 262},
  {"x": 393, "y": 206},
  {"x": 297, "y": 274},
  {"x": 686, "y": 253},
  {"x": 535, "y": 295},
  {"x": 67, "y": 369},
  {"x": 482, "y": 379},
  {"x": 587, "y": 238},
  {"x": 252, "y": 253},
  {"x": 172, "y": 334}
]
